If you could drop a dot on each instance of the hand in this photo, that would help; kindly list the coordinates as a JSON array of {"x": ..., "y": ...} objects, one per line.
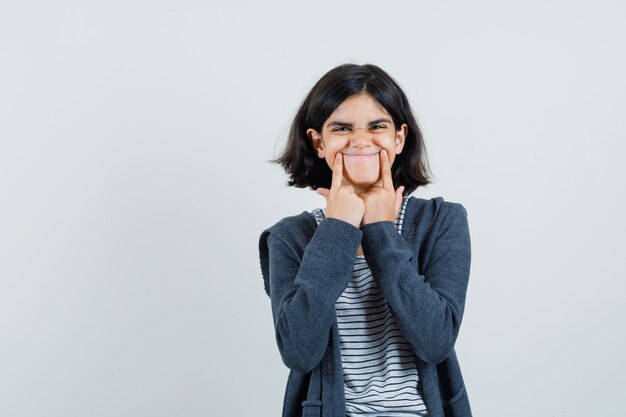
[
  {"x": 382, "y": 202},
  {"x": 341, "y": 201}
]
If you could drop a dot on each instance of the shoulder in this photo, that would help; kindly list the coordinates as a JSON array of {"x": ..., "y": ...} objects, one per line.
[
  {"x": 292, "y": 232},
  {"x": 294, "y": 228},
  {"x": 435, "y": 206},
  {"x": 435, "y": 224},
  {"x": 426, "y": 217}
]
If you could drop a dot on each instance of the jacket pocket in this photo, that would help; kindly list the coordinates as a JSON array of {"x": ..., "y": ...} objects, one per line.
[
  {"x": 457, "y": 405},
  {"x": 311, "y": 408}
]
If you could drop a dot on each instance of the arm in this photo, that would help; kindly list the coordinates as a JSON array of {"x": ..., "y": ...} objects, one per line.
[
  {"x": 303, "y": 291},
  {"x": 429, "y": 307}
]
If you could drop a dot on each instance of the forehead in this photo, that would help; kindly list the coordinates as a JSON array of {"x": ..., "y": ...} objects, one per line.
[{"x": 361, "y": 107}]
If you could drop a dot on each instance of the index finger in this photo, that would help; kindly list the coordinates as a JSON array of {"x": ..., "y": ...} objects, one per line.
[
  {"x": 385, "y": 170},
  {"x": 337, "y": 171}
]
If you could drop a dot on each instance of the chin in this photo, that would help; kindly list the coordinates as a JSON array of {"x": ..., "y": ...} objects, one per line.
[{"x": 363, "y": 182}]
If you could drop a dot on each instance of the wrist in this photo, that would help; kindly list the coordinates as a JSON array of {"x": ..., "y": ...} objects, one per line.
[{"x": 376, "y": 220}]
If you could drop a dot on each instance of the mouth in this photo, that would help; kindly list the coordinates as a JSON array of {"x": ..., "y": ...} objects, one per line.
[{"x": 364, "y": 156}]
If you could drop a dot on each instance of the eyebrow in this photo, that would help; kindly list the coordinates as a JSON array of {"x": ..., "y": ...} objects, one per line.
[{"x": 346, "y": 124}]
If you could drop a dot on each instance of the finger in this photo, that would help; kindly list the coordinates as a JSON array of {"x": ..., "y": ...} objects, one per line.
[
  {"x": 337, "y": 171},
  {"x": 347, "y": 186},
  {"x": 399, "y": 197},
  {"x": 399, "y": 192},
  {"x": 385, "y": 170},
  {"x": 322, "y": 191}
]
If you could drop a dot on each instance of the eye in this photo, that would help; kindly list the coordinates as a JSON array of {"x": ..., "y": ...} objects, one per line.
[
  {"x": 341, "y": 129},
  {"x": 378, "y": 127}
]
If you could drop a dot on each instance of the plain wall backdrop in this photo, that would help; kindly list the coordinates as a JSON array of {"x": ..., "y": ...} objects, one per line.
[{"x": 134, "y": 186}]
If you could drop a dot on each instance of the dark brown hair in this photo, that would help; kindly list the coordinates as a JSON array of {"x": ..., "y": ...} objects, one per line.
[{"x": 410, "y": 167}]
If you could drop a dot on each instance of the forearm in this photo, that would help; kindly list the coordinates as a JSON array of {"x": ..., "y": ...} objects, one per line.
[
  {"x": 304, "y": 291},
  {"x": 429, "y": 307}
]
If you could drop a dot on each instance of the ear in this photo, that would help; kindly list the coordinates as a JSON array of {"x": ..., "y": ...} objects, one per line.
[
  {"x": 316, "y": 141},
  {"x": 400, "y": 137}
]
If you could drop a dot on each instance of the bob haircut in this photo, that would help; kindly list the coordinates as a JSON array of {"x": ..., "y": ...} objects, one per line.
[{"x": 306, "y": 169}]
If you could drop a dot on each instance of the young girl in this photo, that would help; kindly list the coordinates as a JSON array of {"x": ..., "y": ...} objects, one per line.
[{"x": 368, "y": 293}]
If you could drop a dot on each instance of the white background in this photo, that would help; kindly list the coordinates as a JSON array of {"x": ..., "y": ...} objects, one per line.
[{"x": 134, "y": 185}]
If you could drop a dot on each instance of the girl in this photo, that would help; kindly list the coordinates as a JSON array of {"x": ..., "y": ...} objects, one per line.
[{"x": 368, "y": 293}]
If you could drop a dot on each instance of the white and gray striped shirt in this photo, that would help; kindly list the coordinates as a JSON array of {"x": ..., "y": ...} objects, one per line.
[{"x": 379, "y": 367}]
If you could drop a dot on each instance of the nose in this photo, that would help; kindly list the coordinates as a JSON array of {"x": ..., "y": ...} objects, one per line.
[{"x": 361, "y": 138}]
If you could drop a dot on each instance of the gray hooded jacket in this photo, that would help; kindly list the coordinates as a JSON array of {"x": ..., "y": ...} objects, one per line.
[{"x": 422, "y": 272}]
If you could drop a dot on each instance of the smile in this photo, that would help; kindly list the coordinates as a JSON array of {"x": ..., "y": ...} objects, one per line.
[{"x": 360, "y": 156}]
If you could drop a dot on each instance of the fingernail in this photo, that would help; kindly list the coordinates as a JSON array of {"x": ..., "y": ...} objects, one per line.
[{"x": 384, "y": 152}]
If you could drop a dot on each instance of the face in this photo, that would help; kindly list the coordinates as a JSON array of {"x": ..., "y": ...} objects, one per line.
[{"x": 359, "y": 128}]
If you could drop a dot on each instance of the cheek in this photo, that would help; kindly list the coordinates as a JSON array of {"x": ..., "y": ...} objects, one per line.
[
  {"x": 329, "y": 161},
  {"x": 331, "y": 150},
  {"x": 389, "y": 145},
  {"x": 330, "y": 158}
]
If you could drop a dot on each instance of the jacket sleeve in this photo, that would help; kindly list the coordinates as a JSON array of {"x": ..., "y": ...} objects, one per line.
[
  {"x": 429, "y": 307},
  {"x": 303, "y": 289}
]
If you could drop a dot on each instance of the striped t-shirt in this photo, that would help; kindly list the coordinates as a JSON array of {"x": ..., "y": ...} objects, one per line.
[{"x": 379, "y": 368}]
